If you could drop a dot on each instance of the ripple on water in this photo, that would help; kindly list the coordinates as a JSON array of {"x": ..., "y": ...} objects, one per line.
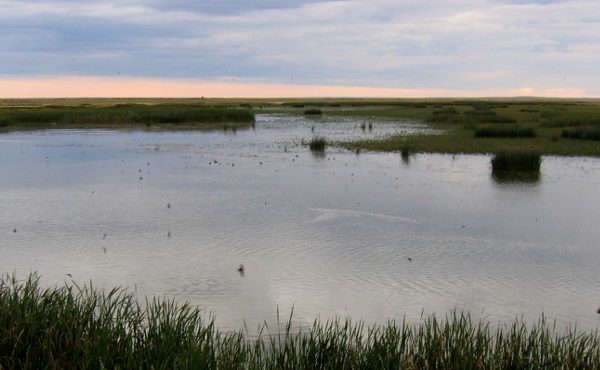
[{"x": 325, "y": 236}]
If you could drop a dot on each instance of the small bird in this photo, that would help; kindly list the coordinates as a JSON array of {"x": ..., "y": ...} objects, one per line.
[
  {"x": 104, "y": 236},
  {"x": 104, "y": 249},
  {"x": 598, "y": 312},
  {"x": 169, "y": 234},
  {"x": 69, "y": 275},
  {"x": 241, "y": 270},
  {"x": 409, "y": 259},
  {"x": 14, "y": 230},
  {"x": 168, "y": 205}
]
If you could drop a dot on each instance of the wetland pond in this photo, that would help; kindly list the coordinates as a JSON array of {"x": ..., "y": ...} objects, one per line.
[{"x": 369, "y": 236}]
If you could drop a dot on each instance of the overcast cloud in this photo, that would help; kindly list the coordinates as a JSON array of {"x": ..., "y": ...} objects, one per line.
[{"x": 466, "y": 45}]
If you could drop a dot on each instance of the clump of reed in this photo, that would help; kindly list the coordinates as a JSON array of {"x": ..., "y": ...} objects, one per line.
[
  {"x": 317, "y": 144},
  {"x": 505, "y": 132},
  {"x": 516, "y": 161},
  {"x": 588, "y": 133},
  {"x": 313, "y": 111},
  {"x": 82, "y": 327}
]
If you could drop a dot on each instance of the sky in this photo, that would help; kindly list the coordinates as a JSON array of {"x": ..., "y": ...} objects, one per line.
[{"x": 269, "y": 48}]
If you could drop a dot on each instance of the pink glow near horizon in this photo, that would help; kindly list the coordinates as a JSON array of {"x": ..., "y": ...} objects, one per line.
[{"x": 124, "y": 87}]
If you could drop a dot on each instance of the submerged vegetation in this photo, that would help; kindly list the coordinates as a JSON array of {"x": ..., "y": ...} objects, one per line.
[
  {"x": 82, "y": 327},
  {"x": 176, "y": 116}
]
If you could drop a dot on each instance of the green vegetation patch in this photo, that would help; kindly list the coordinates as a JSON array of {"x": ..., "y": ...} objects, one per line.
[
  {"x": 313, "y": 111},
  {"x": 123, "y": 115},
  {"x": 571, "y": 121},
  {"x": 488, "y": 116},
  {"x": 592, "y": 133},
  {"x": 445, "y": 111},
  {"x": 488, "y": 126},
  {"x": 505, "y": 132}
]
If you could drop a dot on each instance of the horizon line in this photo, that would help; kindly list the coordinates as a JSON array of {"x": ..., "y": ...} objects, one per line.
[{"x": 98, "y": 87}]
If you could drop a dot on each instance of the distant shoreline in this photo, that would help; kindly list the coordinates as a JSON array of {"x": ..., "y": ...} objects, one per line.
[{"x": 564, "y": 127}]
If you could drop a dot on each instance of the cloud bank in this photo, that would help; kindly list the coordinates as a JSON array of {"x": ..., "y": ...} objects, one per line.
[{"x": 472, "y": 47}]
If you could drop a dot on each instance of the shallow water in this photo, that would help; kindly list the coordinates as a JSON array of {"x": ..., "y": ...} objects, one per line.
[{"x": 327, "y": 235}]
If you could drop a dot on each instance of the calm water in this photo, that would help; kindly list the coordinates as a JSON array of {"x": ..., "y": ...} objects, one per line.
[{"x": 326, "y": 235}]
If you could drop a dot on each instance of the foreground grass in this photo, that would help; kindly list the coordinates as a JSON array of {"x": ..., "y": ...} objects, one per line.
[
  {"x": 82, "y": 327},
  {"x": 174, "y": 116}
]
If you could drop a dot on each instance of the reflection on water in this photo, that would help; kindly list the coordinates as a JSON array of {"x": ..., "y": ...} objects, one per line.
[
  {"x": 318, "y": 154},
  {"x": 176, "y": 213},
  {"x": 516, "y": 177},
  {"x": 405, "y": 154}
]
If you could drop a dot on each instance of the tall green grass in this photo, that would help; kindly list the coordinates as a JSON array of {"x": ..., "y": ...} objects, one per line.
[{"x": 83, "y": 327}]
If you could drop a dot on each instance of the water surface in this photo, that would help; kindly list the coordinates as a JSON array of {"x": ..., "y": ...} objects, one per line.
[{"x": 175, "y": 213}]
